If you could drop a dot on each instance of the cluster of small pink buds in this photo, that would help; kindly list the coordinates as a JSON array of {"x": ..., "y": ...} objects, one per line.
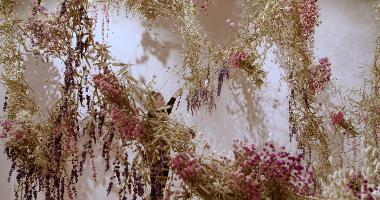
[
  {"x": 46, "y": 33},
  {"x": 108, "y": 85},
  {"x": 337, "y": 118},
  {"x": 257, "y": 171},
  {"x": 10, "y": 130},
  {"x": 38, "y": 8},
  {"x": 130, "y": 127},
  {"x": 360, "y": 188},
  {"x": 309, "y": 13},
  {"x": 236, "y": 59},
  {"x": 185, "y": 165},
  {"x": 320, "y": 75}
]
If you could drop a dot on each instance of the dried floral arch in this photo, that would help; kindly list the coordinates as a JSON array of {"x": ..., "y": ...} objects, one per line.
[{"x": 120, "y": 119}]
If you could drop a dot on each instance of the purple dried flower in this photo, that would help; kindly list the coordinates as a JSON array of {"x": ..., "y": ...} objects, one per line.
[{"x": 223, "y": 74}]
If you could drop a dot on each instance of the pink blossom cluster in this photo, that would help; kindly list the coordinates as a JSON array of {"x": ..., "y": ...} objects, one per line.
[
  {"x": 261, "y": 171},
  {"x": 360, "y": 188},
  {"x": 337, "y": 118},
  {"x": 45, "y": 36},
  {"x": 309, "y": 13},
  {"x": 108, "y": 85},
  {"x": 320, "y": 75},
  {"x": 237, "y": 58},
  {"x": 46, "y": 33},
  {"x": 10, "y": 130},
  {"x": 130, "y": 127},
  {"x": 185, "y": 165},
  {"x": 38, "y": 8}
]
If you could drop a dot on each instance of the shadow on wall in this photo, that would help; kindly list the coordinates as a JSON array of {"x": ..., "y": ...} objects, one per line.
[
  {"x": 246, "y": 105},
  {"x": 159, "y": 49},
  {"x": 43, "y": 79}
]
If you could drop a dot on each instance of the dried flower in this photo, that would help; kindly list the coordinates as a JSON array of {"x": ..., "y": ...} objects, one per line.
[
  {"x": 7, "y": 128},
  {"x": 185, "y": 165},
  {"x": 269, "y": 172},
  {"x": 11, "y": 130},
  {"x": 38, "y": 8},
  {"x": 320, "y": 75},
  {"x": 199, "y": 98},
  {"x": 47, "y": 154},
  {"x": 108, "y": 84},
  {"x": 223, "y": 74},
  {"x": 236, "y": 59},
  {"x": 337, "y": 118},
  {"x": 309, "y": 13},
  {"x": 127, "y": 125}
]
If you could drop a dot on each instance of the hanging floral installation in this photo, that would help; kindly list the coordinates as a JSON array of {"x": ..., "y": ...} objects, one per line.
[{"x": 152, "y": 156}]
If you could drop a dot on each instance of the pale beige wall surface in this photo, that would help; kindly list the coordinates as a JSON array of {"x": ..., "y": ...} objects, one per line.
[{"x": 346, "y": 36}]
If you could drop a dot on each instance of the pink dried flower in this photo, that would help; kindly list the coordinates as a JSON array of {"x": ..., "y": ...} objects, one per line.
[
  {"x": 320, "y": 75},
  {"x": 38, "y": 8},
  {"x": 236, "y": 59},
  {"x": 309, "y": 14},
  {"x": 10, "y": 129},
  {"x": 324, "y": 62},
  {"x": 185, "y": 165},
  {"x": 47, "y": 32},
  {"x": 262, "y": 171},
  {"x": 108, "y": 85},
  {"x": 337, "y": 118},
  {"x": 130, "y": 127},
  {"x": 360, "y": 188}
]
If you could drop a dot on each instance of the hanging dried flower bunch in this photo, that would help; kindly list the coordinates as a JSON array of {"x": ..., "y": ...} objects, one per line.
[{"x": 112, "y": 113}]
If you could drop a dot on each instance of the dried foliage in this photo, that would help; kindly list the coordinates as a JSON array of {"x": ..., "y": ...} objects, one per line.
[{"x": 101, "y": 110}]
